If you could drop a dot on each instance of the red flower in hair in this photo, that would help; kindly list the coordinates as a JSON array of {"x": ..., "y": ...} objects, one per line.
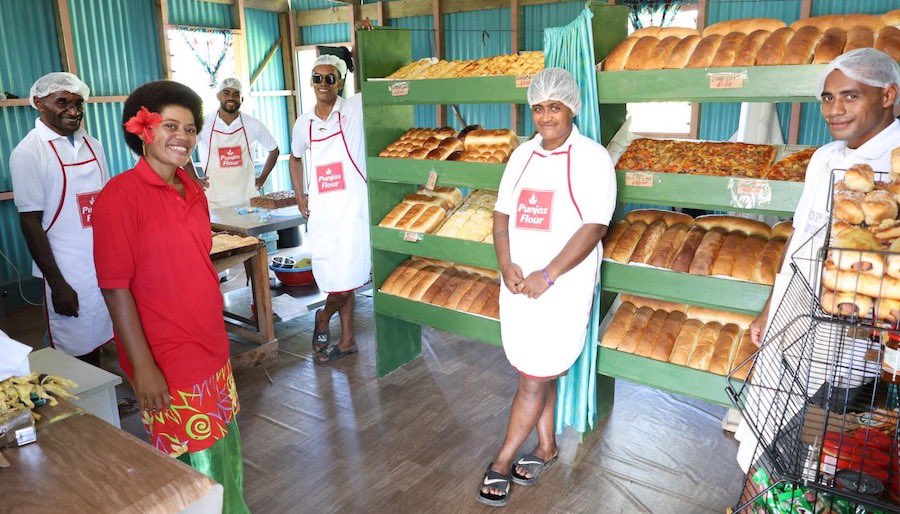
[{"x": 143, "y": 123}]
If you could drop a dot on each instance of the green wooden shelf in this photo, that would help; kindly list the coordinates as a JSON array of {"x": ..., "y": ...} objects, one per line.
[
  {"x": 663, "y": 375},
  {"x": 716, "y": 293},
  {"x": 469, "y": 325},
  {"x": 436, "y": 247},
  {"x": 457, "y": 174},
  {"x": 760, "y": 84},
  {"x": 446, "y": 91},
  {"x": 773, "y": 197}
]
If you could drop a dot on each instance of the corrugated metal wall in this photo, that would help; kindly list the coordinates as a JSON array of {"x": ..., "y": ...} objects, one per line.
[
  {"x": 324, "y": 34},
  {"x": 200, "y": 14}
]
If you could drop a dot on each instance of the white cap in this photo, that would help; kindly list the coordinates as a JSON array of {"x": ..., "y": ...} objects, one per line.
[
  {"x": 555, "y": 84},
  {"x": 867, "y": 66},
  {"x": 56, "y": 82},
  {"x": 332, "y": 60},
  {"x": 231, "y": 83}
]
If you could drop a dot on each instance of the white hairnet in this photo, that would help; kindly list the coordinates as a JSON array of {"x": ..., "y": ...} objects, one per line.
[
  {"x": 231, "y": 83},
  {"x": 56, "y": 82},
  {"x": 332, "y": 60},
  {"x": 555, "y": 84},
  {"x": 867, "y": 66}
]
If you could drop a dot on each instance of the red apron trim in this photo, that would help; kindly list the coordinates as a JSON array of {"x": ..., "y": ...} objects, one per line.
[
  {"x": 568, "y": 154},
  {"x": 344, "y": 139},
  {"x": 62, "y": 169}
]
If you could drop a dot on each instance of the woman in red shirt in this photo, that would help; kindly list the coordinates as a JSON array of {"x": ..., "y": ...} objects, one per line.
[{"x": 152, "y": 241}]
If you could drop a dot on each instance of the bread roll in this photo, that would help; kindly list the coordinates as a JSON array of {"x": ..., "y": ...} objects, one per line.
[
  {"x": 740, "y": 363},
  {"x": 661, "y": 53},
  {"x": 878, "y": 206},
  {"x": 438, "y": 154},
  {"x": 648, "y": 216},
  {"x": 748, "y": 258},
  {"x": 441, "y": 297},
  {"x": 641, "y": 53},
  {"x": 734, "y": 224},
  {"x": 707, "y": 315},
  {"x": 628, "y": 241},
  {"x": 769, "y": 262},
  {"x": 706, "y": 253},
  {"x": 831, "y": 45},
  {"x": 728, "y": 49},
  {"x": 420, "y": 282},
  {"x": 684, "y": 343},
  {"x": 668, "y": 245},
  {"x": 746, "y": 53},
  {"x": 662, "y": 348},
  {"x": 395, "y": 215},
  {"x": 705, "y": 51},
  {"x": 847, "y": 206},
  {"x": 772, "y": 51},
  {"x": 845, "y": 304},
  {"x": 619, "y": 56},
  {"x": 682, "y": 53},
  {"x": 418, "y": 153},
  {"x": 685, "y": 254},
  {"x": 648, "y": 241},
  {"x": 479, "y": 140},
  {"x": 724, "y": 263},
  {"x": 888, "y": 310},
  {"x": 635, "y": 329},
  {"x": 705, "y": 346},
  {"x": 401, "y": 275},
  {"x": 461, "y": 289},
  {"x": 745, "y": 25},
  {"x": 612, "y": 237},
  {"x": 893, "y": 261},
  {"x": 612, "y": 338},
  {"x": 437, "y": 285},
  {"x": 888, "y": 41},
  {"x": 860, "y": 178},
  {"x": 867, "y": 285},
  {"x": 800, "y": 48},
  {"x": 859, "y": 37},
  {"x": 726, "y": 343},
  {"x": 651, "y": 333},
  {"x": 844, "y": 21},
  {"x": 782, "y": 229}
]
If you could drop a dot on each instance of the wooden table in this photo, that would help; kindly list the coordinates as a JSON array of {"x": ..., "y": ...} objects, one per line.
[
  {"x": 82, "y": 464},
  {"x": 226, "y": 219}
]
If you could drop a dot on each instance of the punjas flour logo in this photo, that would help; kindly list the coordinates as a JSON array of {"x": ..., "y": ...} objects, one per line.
[
  {"x": 330, "y": 177},
  {"x": 534, "y": 210},
  {"x": 230, "y": 157}
]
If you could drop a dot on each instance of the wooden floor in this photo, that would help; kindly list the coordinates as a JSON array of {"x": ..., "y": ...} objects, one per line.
[{"x": 337, "y": 439}]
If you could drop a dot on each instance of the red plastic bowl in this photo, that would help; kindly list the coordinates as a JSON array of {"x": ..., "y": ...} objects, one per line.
[{"x": 294, "y": 277}]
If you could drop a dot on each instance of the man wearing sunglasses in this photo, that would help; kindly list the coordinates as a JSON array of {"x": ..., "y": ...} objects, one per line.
[{"x": 336, "y": 202}]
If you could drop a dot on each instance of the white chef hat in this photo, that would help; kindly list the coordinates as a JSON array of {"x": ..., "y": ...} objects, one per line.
[
  {"x": 332, "y": 60},
  {"x": 555, "y": 84},
  {"x": 56, "y": 82},
  {"x": 866, "y": 65},
  {"x": 232, "y": 83}
]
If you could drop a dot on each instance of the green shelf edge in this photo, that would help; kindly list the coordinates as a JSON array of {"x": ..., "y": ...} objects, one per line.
[
  {"x": 712, "y": 292},
  {"x": 436, "y": 247},
  {"x": 705, "y": 192},
  {"x": 670, "y": 377},
  {"x": 457, "y": 174},
  {"x": 446, "y": 91},
  {"x": 798, "y": 83},
  {"x": 469, "y": 325}
]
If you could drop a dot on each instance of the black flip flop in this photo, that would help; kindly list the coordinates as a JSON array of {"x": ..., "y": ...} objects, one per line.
[
  {"x": 332, "y": 353},
  {"x": 320, "y": 340},
  {"x": 534, "y": 465},
  {"x": 495, "y": 480}
]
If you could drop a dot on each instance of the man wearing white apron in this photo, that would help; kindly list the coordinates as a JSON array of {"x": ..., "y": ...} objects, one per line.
[
  {"x": 859, "y": 94},
  {"x": 337, "y": 205},
  {"x": 224, "y": 148},
  {"x": 57, "y": 171}
]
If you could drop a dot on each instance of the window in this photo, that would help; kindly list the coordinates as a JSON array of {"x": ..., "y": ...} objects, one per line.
[{"x": 200, "y": 59}]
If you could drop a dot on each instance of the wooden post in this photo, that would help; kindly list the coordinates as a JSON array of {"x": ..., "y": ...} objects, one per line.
[
  {"x": 515, "y": 40},
  {"x": 64, "y": 31},
  {"x": 438, "y": 21},
  {"x": 162, "y": 22},
  {"x": 796, "y": 109},
  {"x": 379, "y": 14},
  {"x": 239, "y": 33},
  {"x": 695, "y": 106},
  {"x": 294, "y": 36},
  {"x": 287, "y": 63},
  {"x": 354, "y": 17}
]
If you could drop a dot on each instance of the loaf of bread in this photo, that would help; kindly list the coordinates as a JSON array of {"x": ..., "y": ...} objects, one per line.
[
  {"x": 728, "y": 253},
  {"x": 705, "y": 346},
  {"x": 668, "y": 245},
  {"x": 628, "y": 241},
  {"x": 831, "y": 45},
  {"x": 619, "y": 56},
  {"x": 726, "y": 343},
  {"x": 684, "y": 343},
  {"x": 845, "y": 303},
  {"x": 844, "y": 21},
  {"x": 466, "y": 301},
  {"x": 747, "y": 52},
  {"x": 888, "y": 41},
  {"x": 706, "y": 253},
  {"x": 641, "y": 53},
  {"x": 441, "y": 297},
  {"x": 748, "y": 258},
  {"x": 437, "y": 285},
  {"x": 618, "y": 326},
  {"x": 430, "y": 218},
  {"x": 891, "y": 18},
  {"x": 478, "y": 140},
  {"x": 395, "y": 215},
  {"x": 612, "y": 237},
  {"x": 477, "y": 305},
  {"x": 734, "y": 224},
  {"x": 682, "y": 53},
  {"x": 491, "y": 308},
  {"x": 664, "y": 32},
  {"x": 685, "y": 254},
  {"x": 705, "y": 51},
  {"x": 635, "y": 329},
  {"x": 860, "y": 37},
  {"x": 769, "y": 262},
  {"x": 662, "y": 348},
  {"x": 427, "y": 200},
  {"x": 481, "y": 272},
  {"x": 707, "y": 315},
  {"x": 772, "y": 51},
  {"x": 416, "y": 287},
  {"x": 800, "y": 48},
  {"x": 878, "y": 206},
  {"x": 401, "y": 275},
  {"x": 860, "y": 178},
  {"x": 649, "y": 216},
  {"x": 648, "y": 241},
  {"x": 661, "y": 53},
  {"x": 452, "y": 196},
  {"x": 461, "y": 289},
  {"x": 651, "y": 333},
  {"x": 782, "y": 229},
  {"x": 744, "y": 25},
  {"x": 740, "y": 363},
  {"x": 728, "y": 49}
]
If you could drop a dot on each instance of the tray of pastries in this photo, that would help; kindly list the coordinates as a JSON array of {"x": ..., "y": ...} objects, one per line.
[
  {"x": 724, "y": 246},
  {"x": 424, "y": 210},
  {"x": 522, "y": 63},
  {"x": 275, "y": 200},
  {"x": 471, "y": 144},
  {"x": 444, "y": 284},
  {"x": 697, "y": 337},
  {"x": 223, "y": 242},
  {"x": 756, "y": 42}
]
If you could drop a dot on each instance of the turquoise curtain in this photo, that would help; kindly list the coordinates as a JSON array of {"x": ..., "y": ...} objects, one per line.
[{"x": 572, "y": 48}]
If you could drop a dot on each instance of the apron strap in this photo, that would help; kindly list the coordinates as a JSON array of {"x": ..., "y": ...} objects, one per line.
[
  {"x": 340, "y": 132},
  {"x": 569, "y": 181},
  {"x": 62, "y": 196}
]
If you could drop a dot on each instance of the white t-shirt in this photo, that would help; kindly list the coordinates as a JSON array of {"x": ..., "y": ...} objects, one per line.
[
  {"x": 257, "y": 133},
  {"x": 351, "y": 123}
]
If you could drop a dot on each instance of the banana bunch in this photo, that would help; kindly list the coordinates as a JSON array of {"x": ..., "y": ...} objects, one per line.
[{"x": 22, "y": 392}]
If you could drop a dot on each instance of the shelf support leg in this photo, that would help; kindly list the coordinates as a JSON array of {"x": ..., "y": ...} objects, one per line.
[{"x": 398, "y": 342}]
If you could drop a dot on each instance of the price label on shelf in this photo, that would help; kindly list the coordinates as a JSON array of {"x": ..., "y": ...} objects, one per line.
[
  {"x": 523, "y": 80},
  {"x": 749, "y": 193},
  {"x": 726, "y": 80},
  {"x": 412, "y": 237},
  {"x": 432, "y": 180},
  {"x": 400, "y": 89},
  {"x": 638, "y": 179}
]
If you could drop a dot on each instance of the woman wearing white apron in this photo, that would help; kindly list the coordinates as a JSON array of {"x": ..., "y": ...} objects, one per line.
[
  {"x": 556, "y": 198},
  {"x": 337, "y": 207},
  {"x": 58, "y": 170}
]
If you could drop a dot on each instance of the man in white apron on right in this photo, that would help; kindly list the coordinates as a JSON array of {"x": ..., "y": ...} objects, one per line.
[
  {"x": 57, "y": 172},
  {"x": 860, "y": 90}
]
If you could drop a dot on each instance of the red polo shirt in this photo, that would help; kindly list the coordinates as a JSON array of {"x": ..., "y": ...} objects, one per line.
[{"x": 151, "y": 241}]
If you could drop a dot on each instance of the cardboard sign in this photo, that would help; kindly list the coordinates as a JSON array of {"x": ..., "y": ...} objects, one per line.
[
  {"x": 400, "y": 89},
  {"x": 749, "y": 193},
  {"x": 534, "y": 210},
  {"x": 86, "y": 208},
  {"x": 412, "y": 237},
  {"x": 230, "y": 157},
  {"x": 523, "y": 80},
  {"x": 638, "y": 179},
  {"x": 432, "y": 180},
  {"x": 330, "y": 177},
  {"x": 726, "y": 80}
]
